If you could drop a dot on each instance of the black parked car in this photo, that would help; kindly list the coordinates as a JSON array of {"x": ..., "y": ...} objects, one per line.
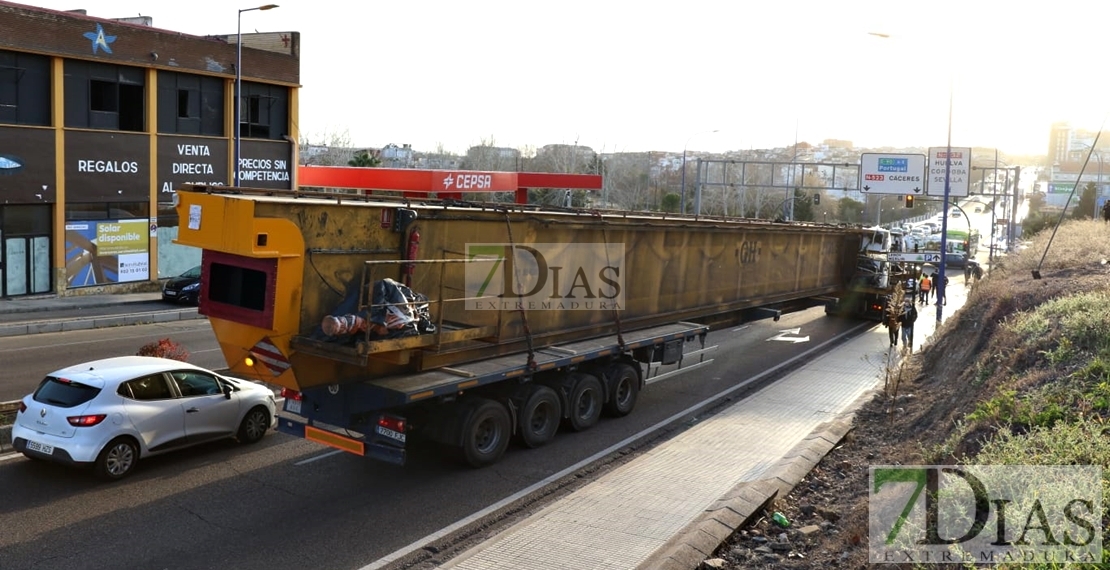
[{"x": 184, "y": 288}]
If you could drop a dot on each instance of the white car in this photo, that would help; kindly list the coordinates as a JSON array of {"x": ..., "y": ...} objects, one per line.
[{"x": 110, "y": 413}]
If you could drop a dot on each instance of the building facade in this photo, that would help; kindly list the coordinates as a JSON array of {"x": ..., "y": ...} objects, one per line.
[{"x": 100, "y": 121}]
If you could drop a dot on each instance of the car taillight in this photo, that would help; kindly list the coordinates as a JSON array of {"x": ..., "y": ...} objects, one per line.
[
  {"x": 395, "y": 424},
  {"x": 22, "y": 407},
  {"x": 291, "y": 394},
  {"x": 86, "y": 421}
]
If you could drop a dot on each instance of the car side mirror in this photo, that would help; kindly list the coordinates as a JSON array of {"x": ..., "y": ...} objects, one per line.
[{"x": 227, "y": 391}]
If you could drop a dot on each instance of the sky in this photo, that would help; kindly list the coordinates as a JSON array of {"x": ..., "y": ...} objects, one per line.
[{"x": 624, "y": 76}]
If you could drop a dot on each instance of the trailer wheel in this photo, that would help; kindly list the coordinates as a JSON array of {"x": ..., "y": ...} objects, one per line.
[
  {"x": 538, "y": 419},
  {"x": 485, "y": 433},
  {"x": 624, "y": 389},
  {"x": 586, "y": 400}
]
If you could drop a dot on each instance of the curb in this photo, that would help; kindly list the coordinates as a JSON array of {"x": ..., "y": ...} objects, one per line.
[
  {"x": 103, "y": 321},
  {"x": 744, "y": 502},
  {"x": 6, "y": 439}
]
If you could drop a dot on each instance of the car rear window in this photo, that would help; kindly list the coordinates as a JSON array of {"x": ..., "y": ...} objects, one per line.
[{"x": 64, "y": 393}]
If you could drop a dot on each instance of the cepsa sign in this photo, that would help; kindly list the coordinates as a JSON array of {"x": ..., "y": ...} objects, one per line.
[{"x": 470, "y": 181}]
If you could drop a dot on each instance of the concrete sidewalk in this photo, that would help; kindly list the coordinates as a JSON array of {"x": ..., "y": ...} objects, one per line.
[
  {"x": 34, "y": 315},
  {"x": 673, "y": 506}
]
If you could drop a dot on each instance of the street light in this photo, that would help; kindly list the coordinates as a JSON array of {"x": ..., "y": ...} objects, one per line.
[
  {"x": 239, "y": 85},
  {"x": 683, "y": 210},
  {"x": 947, "y": 189}
]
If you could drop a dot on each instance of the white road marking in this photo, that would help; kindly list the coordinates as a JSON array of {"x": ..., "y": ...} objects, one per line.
[
  {"x": 318, "y": 457},
  {"x": 740, "y": 328}
]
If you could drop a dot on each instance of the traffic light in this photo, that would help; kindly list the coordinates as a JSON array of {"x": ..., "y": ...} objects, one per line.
[
  {"x": 909, "y": 200},
  {"x": 816, "y": 199}
]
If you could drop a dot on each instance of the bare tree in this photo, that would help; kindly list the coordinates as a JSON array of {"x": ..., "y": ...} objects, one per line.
[
  {"x": 330, "y": 148},
  {"x": 626, "y": 178},
  {"x": 487, "y": 156}
]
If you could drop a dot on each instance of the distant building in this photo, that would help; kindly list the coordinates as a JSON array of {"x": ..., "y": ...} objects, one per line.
[
  {"x": 394, "y": 156},
  {"x": 101, "y": 120}
]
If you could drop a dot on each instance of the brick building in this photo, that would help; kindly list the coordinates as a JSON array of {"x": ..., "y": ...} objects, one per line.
[{"x": 101, "y": 119}]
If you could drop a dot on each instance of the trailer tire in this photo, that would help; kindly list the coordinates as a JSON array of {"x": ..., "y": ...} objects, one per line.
[
  {"x": 587, "y": 397},
  {"x": 485, "y": 432},
  {"x": 624, "y": 389},
  {"x": 538, "y": 419}
]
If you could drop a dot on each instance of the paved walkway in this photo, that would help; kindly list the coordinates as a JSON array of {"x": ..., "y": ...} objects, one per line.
[
  {"x": 32, "y": 315},
  {"x": 672, "y": 506}
]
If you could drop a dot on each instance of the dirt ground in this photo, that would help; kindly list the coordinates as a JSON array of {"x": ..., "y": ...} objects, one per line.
[{"x": 907, "y": 424}]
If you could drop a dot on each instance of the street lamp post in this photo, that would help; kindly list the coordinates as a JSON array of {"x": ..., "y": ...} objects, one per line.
[
  {"x": 944, "y": 220},
  {"x": 683, "y": 206},
  {"x": 239, "y": 85}
]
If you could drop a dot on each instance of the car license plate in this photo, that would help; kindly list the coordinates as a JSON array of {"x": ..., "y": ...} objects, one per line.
[
  {"x": 169, "y": 293},
  {"x": 391, "y": 434},
  {"x": 39, "y": 447},
  {"x": 293, "y": 406}
]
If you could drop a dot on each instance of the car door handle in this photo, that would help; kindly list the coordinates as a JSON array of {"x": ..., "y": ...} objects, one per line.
[{"x": 192, "y": 411}]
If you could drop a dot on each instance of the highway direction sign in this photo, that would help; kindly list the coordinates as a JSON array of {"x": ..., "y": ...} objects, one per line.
[
  {"x": 900, "y": 257},
  {"x": 882, "y": 173},
  {"x": 959, "y": 174}
]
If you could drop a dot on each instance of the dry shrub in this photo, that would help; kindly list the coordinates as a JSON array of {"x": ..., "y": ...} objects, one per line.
[
  {"x": 1078, "y": 243},
  {"x": 164, "y": 348}
]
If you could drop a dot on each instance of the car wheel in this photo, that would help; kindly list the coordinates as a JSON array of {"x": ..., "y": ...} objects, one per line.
[
  {"x": 117, "y": 459},
  {"x": 254, "y": 426}
]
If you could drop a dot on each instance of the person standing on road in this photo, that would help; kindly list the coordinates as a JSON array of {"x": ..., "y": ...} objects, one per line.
[
  {"x": 1106, "y": 211},
  {"x": 908, "y": 318},
  {"x": 926, "y": 284}
]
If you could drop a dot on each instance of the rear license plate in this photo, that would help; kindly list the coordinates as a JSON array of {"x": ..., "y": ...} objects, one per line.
[
  {"x": 169, "y": 293},
  {"x": 40, "y": 447},
  {"x": 391, "y": 434},
  {"x": 293, "y": 406}
]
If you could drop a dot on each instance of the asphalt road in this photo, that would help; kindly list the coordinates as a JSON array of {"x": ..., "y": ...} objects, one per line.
[
  {"x": 27, "y": 359},
  {"x": 287, "y": 503}
]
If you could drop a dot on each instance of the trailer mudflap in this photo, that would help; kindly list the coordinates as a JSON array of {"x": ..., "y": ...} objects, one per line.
[{"x": 373, "y": 448}]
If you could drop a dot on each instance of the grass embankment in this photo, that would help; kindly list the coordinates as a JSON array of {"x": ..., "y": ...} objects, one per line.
[{"x": 1022, "y": 372}]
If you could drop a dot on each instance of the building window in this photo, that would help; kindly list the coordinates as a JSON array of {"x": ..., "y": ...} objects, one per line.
[
  {"x": 183, "y": 110},
  {"x": 190, "y": 104},
  {"x": 263, "y": 111},
  {"x": 103, "y": 96},
  {"x": 24, "y": 89}
]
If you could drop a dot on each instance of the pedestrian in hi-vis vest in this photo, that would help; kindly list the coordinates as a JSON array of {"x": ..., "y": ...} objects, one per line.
[{"x": 925, "y": 286}]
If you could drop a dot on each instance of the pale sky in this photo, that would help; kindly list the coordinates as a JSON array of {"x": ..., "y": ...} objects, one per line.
[{"x": 622, "y": 76}]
